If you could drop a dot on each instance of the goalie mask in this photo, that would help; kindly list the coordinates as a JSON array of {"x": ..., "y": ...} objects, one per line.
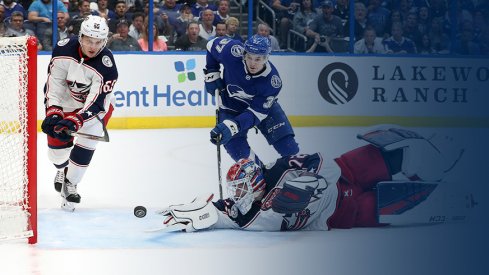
[
  {"x": 245, "y": 184},
  {"x": 93, "y": 35}
]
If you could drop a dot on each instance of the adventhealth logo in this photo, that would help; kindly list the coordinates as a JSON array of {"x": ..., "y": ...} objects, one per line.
[{"x": 185, "y": 70}]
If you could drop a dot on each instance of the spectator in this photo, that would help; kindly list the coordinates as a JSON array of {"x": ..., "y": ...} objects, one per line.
[
  {"x": 136, "y": 28},
  {"x": 440, "y": 42},
  {"x": 323, "y": 42},
  {"x": 161, "y": 20},
  {"x": 121, "y": 40},
  {"x": 220, "y": 30},
  {"x": 171, "y": 8},
  {"x": 3, "y": 28},
  {"x": 222, "y": 13},
  {"x": 232, "y": 26},
  {"x": 360, "y": 21},
  {"x": 394, "y": 17},
  {"x": 425, "y": 46},
  {"x": 207, "y": 29},
  {"x": 411, "y": 30},
  {"x": 424, "y": 19},
  {"x": 285, "y": 11},
  {"x": 191, "y": 41},
  {"x": 406, "y": 7},
  {"x": 103, "y": 11},
  {"x": 181, "y": 24},
  {"x": 16, "y": 27},
  {"x": 63, "y": 32},
  {"x": 397, "y": 43},
  {"x": 465, "y": 44},
  {"x": 342, "y": 10},
  {"x": 120, "y": 14},
  {"x": 378, "y": 17},
  {"x": 264, "y": 30},
  {"x": 42, "y": 11},
  {"x": 370, "y": 43},
  {"x": 325, "y": 25},
  {"x": 11, "y": 6},
  {"x": 438, "y": 8},
  {"x": 159, "y": 44},
  {"x": 304, "y": 16},
  {"x": 200, "y": 6},
  {"x": 132, "y": 6},
  {"x": 83, "y": 12}
]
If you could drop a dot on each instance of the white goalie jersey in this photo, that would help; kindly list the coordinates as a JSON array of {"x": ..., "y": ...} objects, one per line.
[{"x": 262, "y": 217}]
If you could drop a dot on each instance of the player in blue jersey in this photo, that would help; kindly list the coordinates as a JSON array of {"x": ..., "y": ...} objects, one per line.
[
  {"x": 248, "y": 91},
  {"x": 81, "y": 75}
]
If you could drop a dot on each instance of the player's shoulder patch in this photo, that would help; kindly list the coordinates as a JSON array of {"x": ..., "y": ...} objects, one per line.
[
  {"x": 63, "y": 42},
  {"x": 276, "y": 81},
  {"x": 107, "y": 61},
  {"x": 237, "y": 50}
]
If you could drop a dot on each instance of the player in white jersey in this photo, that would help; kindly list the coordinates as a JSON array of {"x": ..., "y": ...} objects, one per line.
[
  {"x": 307, "y": 192},
  {"x": 81, "y": 75}
]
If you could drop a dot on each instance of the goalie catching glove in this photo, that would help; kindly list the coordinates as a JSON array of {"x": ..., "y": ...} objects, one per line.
[
  {"x": 197, "y": 215},
  {"x": 70, "y": 124}
]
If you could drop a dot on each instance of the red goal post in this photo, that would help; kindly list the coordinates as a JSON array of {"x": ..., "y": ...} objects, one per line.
[{"x": 18, "y": 138}]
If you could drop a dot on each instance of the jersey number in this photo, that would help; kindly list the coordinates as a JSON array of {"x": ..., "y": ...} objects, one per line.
[
  {"x": 108, "y": 86},
  {"x": 221, "y": 45}
]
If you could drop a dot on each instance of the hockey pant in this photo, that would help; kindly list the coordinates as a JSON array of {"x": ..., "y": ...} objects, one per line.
[
  {"x": 275, "y": 128},
  {"x": 76, "y": 155},
  {"x": 361, "y": 169}
]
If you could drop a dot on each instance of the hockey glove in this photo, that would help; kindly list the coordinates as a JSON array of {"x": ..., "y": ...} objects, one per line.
[
  {"x": 54, "y": 114},
  {"x": 224, "y": 131},
  {"x": 197, "y": 215},
  {"x": 213, "y": 81},
  {"x": 64, "y": 128}
]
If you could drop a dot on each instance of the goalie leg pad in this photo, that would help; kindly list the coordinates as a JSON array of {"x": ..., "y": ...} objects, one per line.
[
  {"x": 364, "y": 166},
  {"x": 389, "y": 139}
]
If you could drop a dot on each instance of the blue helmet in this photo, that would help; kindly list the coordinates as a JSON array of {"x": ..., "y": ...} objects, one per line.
[{"x": 258, "y": 44}]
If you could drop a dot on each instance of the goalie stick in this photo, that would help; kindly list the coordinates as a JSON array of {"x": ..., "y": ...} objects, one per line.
[
  {"x": 167, "y": 229},
  {"x": 104, "y": 138}
]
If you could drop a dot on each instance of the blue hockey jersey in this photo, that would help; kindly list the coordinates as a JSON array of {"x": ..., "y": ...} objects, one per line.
[{"x": 246, "y": 95}]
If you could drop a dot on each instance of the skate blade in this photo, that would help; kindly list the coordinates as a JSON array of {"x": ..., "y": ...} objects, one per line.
[{"x": 67, "y": 206}]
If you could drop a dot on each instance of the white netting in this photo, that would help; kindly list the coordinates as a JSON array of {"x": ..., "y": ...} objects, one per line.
[{"x": 14, "y": 201}]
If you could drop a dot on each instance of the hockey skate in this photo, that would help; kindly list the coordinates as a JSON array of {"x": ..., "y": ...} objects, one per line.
[
  {"x": 59, "y": 179},
  {"x": 69, "y": 196}
]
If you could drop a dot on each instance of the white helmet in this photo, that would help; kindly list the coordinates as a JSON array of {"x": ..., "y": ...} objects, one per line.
[{"x": 94, "y": 26}]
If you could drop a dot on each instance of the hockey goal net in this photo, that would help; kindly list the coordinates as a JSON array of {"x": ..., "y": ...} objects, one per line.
[{"x": 18, "y": 137}]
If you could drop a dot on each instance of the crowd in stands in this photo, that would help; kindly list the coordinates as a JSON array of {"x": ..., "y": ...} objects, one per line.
[{"x": 373, "y": 26}]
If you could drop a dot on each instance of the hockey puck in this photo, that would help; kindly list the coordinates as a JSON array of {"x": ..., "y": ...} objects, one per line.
[{"x": 140, "y": 211}]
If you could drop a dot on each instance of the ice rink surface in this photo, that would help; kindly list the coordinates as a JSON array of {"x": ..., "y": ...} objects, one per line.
[{"x": 156, "y": 168}]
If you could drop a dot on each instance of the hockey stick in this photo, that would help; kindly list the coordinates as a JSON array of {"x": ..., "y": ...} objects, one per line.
[
  {"x": 167, "y": 229},
  {"x": 218, "y": 144},
  {"x": 104, "y": 138}
]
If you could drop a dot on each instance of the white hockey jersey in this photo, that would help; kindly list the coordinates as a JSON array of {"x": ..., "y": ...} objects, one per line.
[
  {"x": 261, "y": 217},
  {"x": 80, "y": 84}
]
